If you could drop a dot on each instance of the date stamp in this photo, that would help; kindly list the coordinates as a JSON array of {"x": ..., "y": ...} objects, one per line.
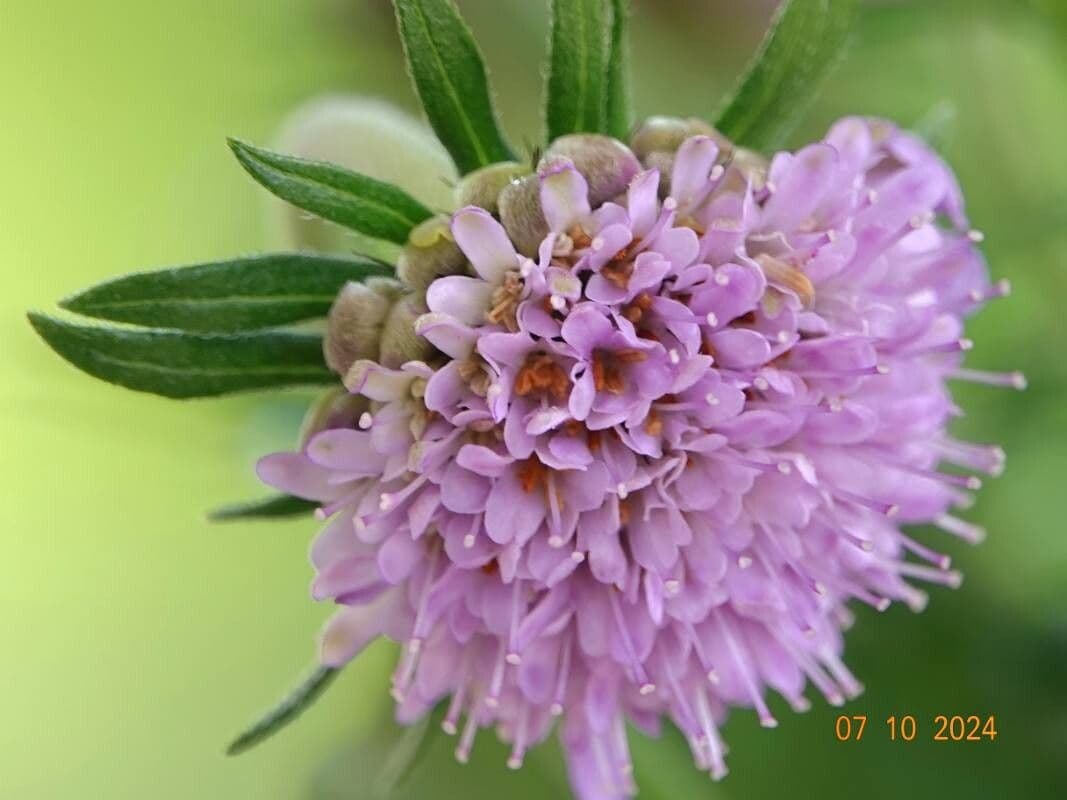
[{"x": 906, "y": 728}]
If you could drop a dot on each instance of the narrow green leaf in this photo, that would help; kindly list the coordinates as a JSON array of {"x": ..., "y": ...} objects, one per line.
[
  {"x": 355, "y": 201},
  {"x": 279, "y": 506},
  {"x": 938, "y": 125},
  {"x": 285, "y": 712},
  {"x": 618, "y": 113},
  {"x": 243, "y": 294},
  {"x": 577, "y": 63},
  {"x": 451, "y": 81},
  {"x": 806, "y": 39},
  {"x": 406, "y": 755},
  {"x": 183, "y": 365}
]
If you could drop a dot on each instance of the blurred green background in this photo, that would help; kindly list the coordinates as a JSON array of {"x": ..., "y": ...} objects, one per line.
[{"x": 135, "y": 637}]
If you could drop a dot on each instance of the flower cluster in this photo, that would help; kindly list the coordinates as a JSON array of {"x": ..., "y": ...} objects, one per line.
[{"x": 678, "y": 405}]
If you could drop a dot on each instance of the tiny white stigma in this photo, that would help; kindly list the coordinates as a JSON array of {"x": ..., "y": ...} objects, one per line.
[
  {"x": 976, "y": 236},
  {"x": 556, "y": 709},
  {"x": 577, "y": 557},
  {"x": 713, "y": 676},
  {"x": 514, "y": 762},
  {"x": 468, "y": 541},
  {"x": 882, "y": 369},
  {"x": 449, "y": 727},
  {"x": 385, "y": 502},
  {"x": 744, "y": 562},
  {"x": 785, "y": 468},
  {"x": 761, "y": 383},
  {"x": 674, "y": 356},
  {"x": 365, "y": 420},
  {"x": 819, "y": 589},
  {"x": 492, "y": 702},
  {"x": 872, "y": 196},
  {"x": 832, "y": 235},
  {"x": 713, "y": 320},
  {"x": 647, "y": 689},
  {"x": 555, "y": 541},
  {"x": 722, "y": 279},
  {"x": 670, "y": 204},
  {"x": 711, "y": 399},
  {"x": 557, "y": 302},
  {"x": 513, "y": 658},
  {"x": 672, "y": 587},
  {"x": 495, "y": 390},
  {"x": 622, "y": 491},
  {"x": 717, "y": 172},
  {"x": 783, "y": 337},
  {"x": 598, "y": 243}
]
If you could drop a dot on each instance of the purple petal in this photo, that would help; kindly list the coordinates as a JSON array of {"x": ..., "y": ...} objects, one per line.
[{"x": 485, "y": 243}]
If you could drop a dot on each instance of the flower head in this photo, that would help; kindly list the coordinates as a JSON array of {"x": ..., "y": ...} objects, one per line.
[{"x": 653, "y": 458}]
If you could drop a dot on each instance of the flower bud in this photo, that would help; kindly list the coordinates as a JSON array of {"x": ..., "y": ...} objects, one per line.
[
  {"x": 607, "y": 164},
  {"x": 334, "y": 408},
  {"x": 482, "y": 187},
  {"x": 429, "y": 254},
  {"x": 666, "y": 134},
  {"x": 354, "y": 324},
  {"x": 521, "y": 214},
  {"x": 746, "y": 166},
  {"x": 399, "y": 342}
]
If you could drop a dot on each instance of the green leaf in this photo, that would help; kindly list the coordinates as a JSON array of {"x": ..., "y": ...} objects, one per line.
[
  {"x": 299, "y": 700},
  {"x": 407, "y": 754},
  {"x": 937, "y": 125},
  {"x": 450, "y": 79},
  {"x": 577, "y": 62},
  {"x": 183, "y": 365},
  {"x": 806, "y": 39},
  {"x": 280, "y": 506},
  {"x": 355, "y": 201},
  {"x": 243, "y": 294},
  {"x": 618, "y": 113}
]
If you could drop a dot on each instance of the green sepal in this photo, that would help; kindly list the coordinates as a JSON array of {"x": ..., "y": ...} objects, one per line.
[
  {"x": 183, "y": 365},
  {"x": 356, "y": 201},
  {"x": 451, "y": 81},
  {"x": 298, "y": 701},
  {"x": 226, "y": 296},
  {"x": 280, "y": 506},
  {"x": 805, "y": 41},
  {"x": 577, "y": 68}
]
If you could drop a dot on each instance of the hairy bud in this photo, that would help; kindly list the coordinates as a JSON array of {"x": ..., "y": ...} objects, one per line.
[
  {"x": 482, "y": 187},
  {"x": 334, "y": 408},
  {"x": 399, "y": 342},
  {"x": 607, "y": 164},
  {"x": 429, "y": 254},
  {"x": 354, "y": 324},
  {"x": 520, "y": 211},
  {"x": 666, "y": 134}
]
